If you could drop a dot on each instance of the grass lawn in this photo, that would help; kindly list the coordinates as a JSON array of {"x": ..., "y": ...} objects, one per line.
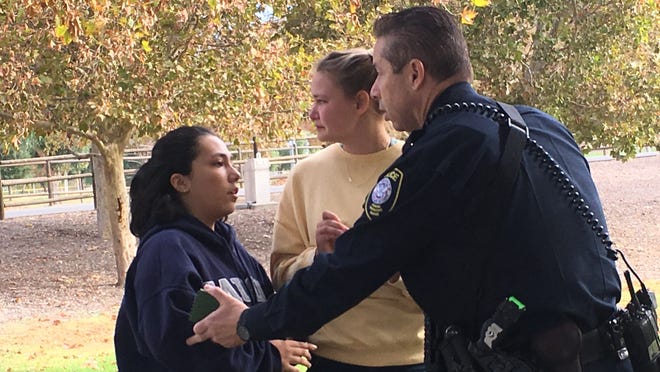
[{"x": 58, "y": 344}]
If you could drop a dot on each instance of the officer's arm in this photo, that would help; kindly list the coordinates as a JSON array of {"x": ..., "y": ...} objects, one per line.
[
  {"x": 407, "y": 216},
  {"x": 365, "y": 257}
]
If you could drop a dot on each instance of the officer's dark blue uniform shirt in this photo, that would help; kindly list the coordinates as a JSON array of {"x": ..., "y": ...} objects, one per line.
[{"x": 421, "y": 220}]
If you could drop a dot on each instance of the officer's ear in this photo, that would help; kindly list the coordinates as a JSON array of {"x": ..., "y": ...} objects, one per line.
[{"x": 417, "y": 72}]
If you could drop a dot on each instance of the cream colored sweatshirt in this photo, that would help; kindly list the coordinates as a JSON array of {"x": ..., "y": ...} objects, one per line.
[{"x": 386, "y": 328}]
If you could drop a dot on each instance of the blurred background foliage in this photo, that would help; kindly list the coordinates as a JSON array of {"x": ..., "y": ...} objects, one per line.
[
  {"x": 108, "y": 71},
  {"x": 104, "y": 74}
]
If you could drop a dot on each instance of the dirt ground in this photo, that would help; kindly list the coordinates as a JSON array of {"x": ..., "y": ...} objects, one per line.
[{"x": 58, "y": 265}]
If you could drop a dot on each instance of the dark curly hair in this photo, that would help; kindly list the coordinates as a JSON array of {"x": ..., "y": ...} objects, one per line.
[{"x": 153, "y": 199}]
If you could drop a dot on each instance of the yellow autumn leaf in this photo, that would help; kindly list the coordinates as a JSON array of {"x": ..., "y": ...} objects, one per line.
[
  {"x": 60, "y": 30},
  {"x": 145, "y": 46},
  {"x": 97, "y": 5},
  {"x": 15, "y": 141},
  {"x": 354, "y": 5},
  {"x": 481, "y": 3},
  {"x": 90, "y": 27},
  {"x": 467, "y": 16}
]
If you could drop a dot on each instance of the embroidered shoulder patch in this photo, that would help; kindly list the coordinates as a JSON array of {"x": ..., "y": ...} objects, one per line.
[{"x": 384, "y": 195}]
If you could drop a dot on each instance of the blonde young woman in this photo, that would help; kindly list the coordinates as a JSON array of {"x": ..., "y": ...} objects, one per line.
[{"x": 323, "y": 196}]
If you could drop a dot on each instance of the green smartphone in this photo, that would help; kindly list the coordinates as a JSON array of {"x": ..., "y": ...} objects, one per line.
[{"x": 202, "y": 306}]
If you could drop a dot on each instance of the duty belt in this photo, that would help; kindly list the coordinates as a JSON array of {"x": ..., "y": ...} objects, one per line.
[{"x": 604, "y": 341}]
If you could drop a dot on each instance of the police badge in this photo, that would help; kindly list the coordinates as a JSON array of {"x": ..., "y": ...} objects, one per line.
[{"x": 384, "y": 195}]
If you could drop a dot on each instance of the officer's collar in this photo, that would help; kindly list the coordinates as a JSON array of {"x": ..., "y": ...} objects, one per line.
[{"x": 459, "y": 92}]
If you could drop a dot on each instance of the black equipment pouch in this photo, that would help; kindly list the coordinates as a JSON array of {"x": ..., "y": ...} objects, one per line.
[
  {"x": 639, "y": 322},
  {"x": 459, "y": 355},
  {"x": 454, "y": 351},
  {"x": 485, "y": 352},
  {"x": 631, "y": 333}
]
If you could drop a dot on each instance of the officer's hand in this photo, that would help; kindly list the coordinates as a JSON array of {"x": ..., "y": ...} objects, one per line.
[
  {"x": 220, "y": 325},
  {"x": 327, "y": 231}
]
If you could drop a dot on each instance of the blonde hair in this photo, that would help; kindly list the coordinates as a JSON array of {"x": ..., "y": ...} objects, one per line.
[{"x": 352, "y": 69}]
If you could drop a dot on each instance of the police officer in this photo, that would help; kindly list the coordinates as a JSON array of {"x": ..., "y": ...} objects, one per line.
[{"x": 462, "y": 239}]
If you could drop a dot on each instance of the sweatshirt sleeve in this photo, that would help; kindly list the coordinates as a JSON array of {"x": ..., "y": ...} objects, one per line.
[
  {"x": 293, "y": 247},
  {"x": 164, "y": 291}
]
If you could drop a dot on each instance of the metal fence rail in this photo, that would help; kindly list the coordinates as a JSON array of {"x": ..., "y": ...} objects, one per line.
[{"x": 50, "y": 188}]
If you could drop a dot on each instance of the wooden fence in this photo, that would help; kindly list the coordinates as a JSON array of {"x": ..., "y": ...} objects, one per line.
[
  {"x": 58, "y": 183},
  {"x": 68, "y": 178}
]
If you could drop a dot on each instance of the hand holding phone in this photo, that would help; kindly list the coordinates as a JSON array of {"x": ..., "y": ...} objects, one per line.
[{"x": 202, "y": 306}]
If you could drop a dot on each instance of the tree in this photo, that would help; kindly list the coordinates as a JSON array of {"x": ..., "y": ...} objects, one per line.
[
  {"x": 28, "y": 148},
  {"x": 593, "y": 64},
  {"x": 109, "y": 71},
  {"x": 112, "y": 71}
]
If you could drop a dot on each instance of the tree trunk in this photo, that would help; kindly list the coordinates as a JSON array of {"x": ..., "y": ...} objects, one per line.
[
  {"x": 102, "y": 209},
  {"x": 113, "y": 191}
]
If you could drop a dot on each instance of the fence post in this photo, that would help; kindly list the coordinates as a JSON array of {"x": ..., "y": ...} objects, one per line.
[
  {"x": 2, "y": 201},
  {"x": 256, "y": 181},
  {"x": 49, "y": 183},
  {"x": 81, "y": 187}
]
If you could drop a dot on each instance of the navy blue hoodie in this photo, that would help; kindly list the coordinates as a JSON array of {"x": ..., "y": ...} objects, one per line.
[{"x": 172, "y": 263}]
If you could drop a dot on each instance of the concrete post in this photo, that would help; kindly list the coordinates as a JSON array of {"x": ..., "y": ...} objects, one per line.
[{"x": 256, "y": 181}]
